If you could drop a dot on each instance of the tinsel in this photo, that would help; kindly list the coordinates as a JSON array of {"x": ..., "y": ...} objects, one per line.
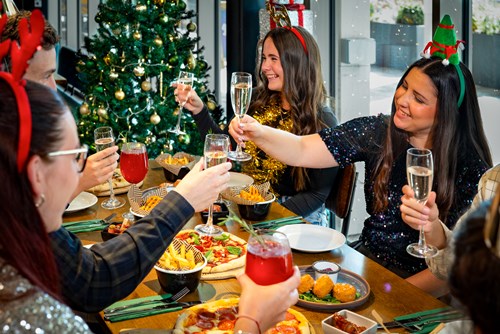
[{"x": 262, "y": 167}]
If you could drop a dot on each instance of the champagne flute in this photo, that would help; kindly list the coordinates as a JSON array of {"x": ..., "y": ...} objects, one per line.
[
  {"x": 215, "y": 153},
  {"x": 420, "y": 170},
  {"x": 241, "y": 94},
  {"x": 104, "y": 138},
  {"x": 184, "y": 82},
  {"x": 133, "y": 165}
]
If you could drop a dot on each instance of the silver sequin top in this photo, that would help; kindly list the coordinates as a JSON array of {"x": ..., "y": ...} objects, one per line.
[{"x": 24, "y": 308}]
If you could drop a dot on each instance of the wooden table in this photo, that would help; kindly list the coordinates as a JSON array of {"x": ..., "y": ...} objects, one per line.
[{"x": 390, "y": 295}]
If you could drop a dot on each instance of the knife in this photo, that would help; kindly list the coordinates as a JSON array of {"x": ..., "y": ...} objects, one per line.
[{"x": 421, "y": 318}]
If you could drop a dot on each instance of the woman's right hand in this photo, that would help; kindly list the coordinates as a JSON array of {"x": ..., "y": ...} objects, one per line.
[
  {"x": 245, "y": 129},
  {"x": 193, "y": 102}
]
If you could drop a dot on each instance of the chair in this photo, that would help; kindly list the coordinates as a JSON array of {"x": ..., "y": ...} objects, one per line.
[{"x": 341, "y": 196}]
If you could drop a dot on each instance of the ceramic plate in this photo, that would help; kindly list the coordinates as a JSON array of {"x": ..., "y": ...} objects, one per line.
[
  {"x": 312, "y": 238},
  {"x": 82, "y": 201},
  {"x": 239, "y": 180},
  {"x": 345, "y": 276}
]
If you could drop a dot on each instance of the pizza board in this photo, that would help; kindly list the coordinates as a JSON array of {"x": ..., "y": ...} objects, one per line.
[
  {"x": 223, "y": 275},
  {"x": 120, "y": 185}
]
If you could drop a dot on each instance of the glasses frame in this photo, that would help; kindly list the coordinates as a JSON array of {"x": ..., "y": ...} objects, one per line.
[{"x": 84, "y": 149}]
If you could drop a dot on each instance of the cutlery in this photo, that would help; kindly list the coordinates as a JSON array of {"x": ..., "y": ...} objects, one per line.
[
  {"x": 150, "y": 309},
  {"x": 416, "y": 320},
  {"x": 89, "y": 225},
  {"x": 380, "y": 321}
]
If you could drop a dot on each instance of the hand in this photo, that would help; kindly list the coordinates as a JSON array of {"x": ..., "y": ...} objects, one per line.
[
  {"x": 98, "y": 168},
  {"x": 193, "y": 102},
  {"x": 245, "y": 129},
  {"x": 202, "y": 187},
  {"x": 267, "y": 304},
  {"x": 415, "y": 214}
]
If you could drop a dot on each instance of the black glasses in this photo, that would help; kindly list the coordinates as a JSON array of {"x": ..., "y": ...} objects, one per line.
[
  {"x": 81, "y": 156},
  {"x": 491, "y": 228}
]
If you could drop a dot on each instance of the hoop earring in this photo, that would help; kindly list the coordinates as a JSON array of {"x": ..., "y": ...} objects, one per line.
[{"x": 42, "y": 200}]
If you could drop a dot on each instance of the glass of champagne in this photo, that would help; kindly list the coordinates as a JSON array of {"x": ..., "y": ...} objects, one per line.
[
  {"x": 184, "y": 82},
  {"x": 215, "y": 153},
  {"x": 241, "y": 94},
  {"x": 269, "y": 258},
  {"x": 420, "y": 170},
  {"x": 104, "y": 138}
]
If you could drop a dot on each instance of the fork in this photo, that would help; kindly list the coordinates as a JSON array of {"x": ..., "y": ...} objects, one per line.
[{"x": 172, "y": 299}]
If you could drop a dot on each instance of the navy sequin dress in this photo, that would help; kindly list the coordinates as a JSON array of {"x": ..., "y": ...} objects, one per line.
[{"x": 385, "y": 234}]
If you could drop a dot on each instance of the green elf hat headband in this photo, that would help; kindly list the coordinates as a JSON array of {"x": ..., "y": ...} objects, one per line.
[{"x": 445, "y": 45}]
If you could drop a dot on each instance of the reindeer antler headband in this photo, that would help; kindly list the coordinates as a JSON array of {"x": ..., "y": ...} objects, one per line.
[
  {"x": 279, "y": 14},
  {"x": 19, "y": 56}
]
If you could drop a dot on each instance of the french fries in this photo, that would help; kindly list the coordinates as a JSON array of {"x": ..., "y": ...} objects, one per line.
[
  {"x": 176, "y": 161},
  {"x": 151, "y": 202},
  {"x": 251, "y": 195},
  {"x": 182, "y": 260}
]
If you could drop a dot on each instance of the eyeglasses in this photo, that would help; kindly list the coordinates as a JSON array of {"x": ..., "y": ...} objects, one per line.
[
  {"x": 81, "y": 156},
  {"x": 492, "y": 226}
]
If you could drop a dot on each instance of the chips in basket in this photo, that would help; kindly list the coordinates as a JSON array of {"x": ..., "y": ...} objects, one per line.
[
  {"x": 249, "y": 195},
  {"x": 174, "y": 163},
  {"x": 142, "y": 202},
  {"x": 180, "y": 256}
]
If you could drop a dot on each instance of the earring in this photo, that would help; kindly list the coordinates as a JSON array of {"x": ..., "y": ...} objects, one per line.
[{"x": 42, "y": 200}]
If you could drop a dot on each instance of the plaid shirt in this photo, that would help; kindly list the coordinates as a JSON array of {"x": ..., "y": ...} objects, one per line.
[
  {"x": 92, "y": 279},
  {"x": 440, "y": 264}
]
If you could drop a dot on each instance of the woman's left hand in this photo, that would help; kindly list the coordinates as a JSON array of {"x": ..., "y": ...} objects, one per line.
[{"x": 416, "y": 214}]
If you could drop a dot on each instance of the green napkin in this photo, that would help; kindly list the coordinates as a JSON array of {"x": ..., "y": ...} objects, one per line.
[
  {"x": 82, "y": 222},
  {"x": 143, "y": 313},
  {"x": 423, "y": 313},
  {"x": 277, "y": 221},
  {"x": 138, "y": 300}
]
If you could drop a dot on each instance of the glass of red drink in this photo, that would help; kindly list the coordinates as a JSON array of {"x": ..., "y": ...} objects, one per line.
[
  {"x": 134, "y": 162},
  {"x": 269, "y": 257}
]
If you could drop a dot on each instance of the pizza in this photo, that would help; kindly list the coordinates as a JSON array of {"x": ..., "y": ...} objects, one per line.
[
  {"x": 219, "y": 317},
  {"x": 223, "y": 252}
]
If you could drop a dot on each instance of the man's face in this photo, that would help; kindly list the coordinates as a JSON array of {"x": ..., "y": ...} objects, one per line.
[{"x": 42, "y": 67}]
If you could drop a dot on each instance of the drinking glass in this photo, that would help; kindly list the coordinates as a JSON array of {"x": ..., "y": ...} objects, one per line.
[
  {"x": 215, "y": 153},
  {"x": 104, "y": 138},
  {"x": 133, "y": 165},
  {"x": 184, "y": 82},
  {"x": 241, "y": 94},
  {"x": 269, "y": 257},
  {"x": 420, "y": 170}
]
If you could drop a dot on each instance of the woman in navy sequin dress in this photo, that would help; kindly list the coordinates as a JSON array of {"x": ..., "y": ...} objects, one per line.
[{"x": 424, "y": 114}]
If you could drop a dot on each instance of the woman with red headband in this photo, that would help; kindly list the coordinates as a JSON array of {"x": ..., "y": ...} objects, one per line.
[{"x": 290, "y": 95}]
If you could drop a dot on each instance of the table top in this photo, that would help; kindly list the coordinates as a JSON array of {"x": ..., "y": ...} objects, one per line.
[{"x": 390, "y": 295}]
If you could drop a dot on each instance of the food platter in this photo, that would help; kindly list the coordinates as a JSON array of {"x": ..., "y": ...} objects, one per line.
[
  {"x": 344, "y": 276},
  {"x": 83, "y": 201},
  {"x": 310, "y": 238}
]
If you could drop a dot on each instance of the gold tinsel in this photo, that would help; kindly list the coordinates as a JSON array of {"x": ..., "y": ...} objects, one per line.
[{"x": 262, "y": 167}]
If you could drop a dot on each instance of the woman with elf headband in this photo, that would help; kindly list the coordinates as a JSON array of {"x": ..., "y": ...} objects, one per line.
[{"x": 435, "y": 106}]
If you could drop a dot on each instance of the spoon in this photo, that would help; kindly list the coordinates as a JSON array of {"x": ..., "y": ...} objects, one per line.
[{"x": 380, "y": 321}]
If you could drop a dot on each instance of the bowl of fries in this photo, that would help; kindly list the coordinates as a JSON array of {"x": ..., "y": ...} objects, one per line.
[
  {"x": 180, "y": 266},
  {"x": 255, "y": 205},
  {"x": 176, "y": 166}
]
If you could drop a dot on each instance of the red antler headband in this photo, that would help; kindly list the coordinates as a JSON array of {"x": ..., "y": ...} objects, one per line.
[
  {"x": 279, "y": 14},
  {"x": 19, "y": 56}
]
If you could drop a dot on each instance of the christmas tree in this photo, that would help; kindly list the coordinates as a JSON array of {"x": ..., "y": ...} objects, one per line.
[{"x": 127, "y": 70}]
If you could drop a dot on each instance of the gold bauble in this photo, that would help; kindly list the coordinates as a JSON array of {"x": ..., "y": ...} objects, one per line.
[
  {"x": 140, "y": 7},
  {"x": 158, "y": 41},
  {"x": 119, "y": 94},
  {"x": 84, "y": 109},
  {"x": 211, "y": 105},
  {"x": 137, "y": 35},
  {"x": 159, "y": 2},
  {"x": 80, "y": 65},
  {"x": 102, "y": 112},
  {"x": 107, "y": 59},
  {"x": 113, "y": 75},
  {"x": 146, "y": 86},
  {"x": 176, "y": 111},
  {"x": 139, "y": 71},
  {"x": 191, "y": 61},
  {"x": 155, "y": 119}
]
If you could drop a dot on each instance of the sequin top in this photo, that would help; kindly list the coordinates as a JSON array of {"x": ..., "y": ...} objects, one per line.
[
  {"x": 385, "y": 234},
  {"x": 26, "y": 309}
]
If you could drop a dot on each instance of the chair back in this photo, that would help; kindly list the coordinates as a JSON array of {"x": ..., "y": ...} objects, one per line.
[{"x": 341, "y": 196}]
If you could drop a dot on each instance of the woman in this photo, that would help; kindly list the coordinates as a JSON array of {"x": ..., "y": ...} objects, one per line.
[
  {"x": 290, "y": 96},
  {"x": 425, "y": 114}
]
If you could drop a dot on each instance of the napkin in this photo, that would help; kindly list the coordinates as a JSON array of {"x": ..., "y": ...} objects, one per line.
[
  {"x": 149, "y": 311},
  {"x": 140, "y": 311}
]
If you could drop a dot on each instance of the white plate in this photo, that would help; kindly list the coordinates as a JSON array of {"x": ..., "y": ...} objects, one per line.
[
  {"x": 312, "y": 238},
  {"x": 82, "y": 201},
  {"x": 239, "y": 180},
  {"x": 137, "y": 214}
]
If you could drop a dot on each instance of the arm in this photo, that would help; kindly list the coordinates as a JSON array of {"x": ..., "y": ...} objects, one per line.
[{"x": 431, "y": 284}]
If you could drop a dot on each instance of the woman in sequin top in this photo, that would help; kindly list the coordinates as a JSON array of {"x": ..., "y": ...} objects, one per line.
[
  {"x": 290, "y": 95},
  {"x": 424, "y": 114}
]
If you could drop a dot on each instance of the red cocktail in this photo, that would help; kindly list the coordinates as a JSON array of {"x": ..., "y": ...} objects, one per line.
[
  {"x": 269, "y": 260},
  {"x": 134, "y": 162}
]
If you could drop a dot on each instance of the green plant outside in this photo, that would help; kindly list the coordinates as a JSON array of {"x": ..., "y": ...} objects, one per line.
[{"x": 411, "y": 15}]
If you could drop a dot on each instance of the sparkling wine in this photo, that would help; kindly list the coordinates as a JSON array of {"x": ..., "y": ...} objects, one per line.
[
  {"x": 104, "y": 143},
  {"x": 215, "y": 158},
  {"x": 270, "y": 264},
  {"x": 134, "y": 166},
  {"x": 420, "y": 179},
  {"x": 240, "y": 97},
  {"x": 186, "y": 82}
]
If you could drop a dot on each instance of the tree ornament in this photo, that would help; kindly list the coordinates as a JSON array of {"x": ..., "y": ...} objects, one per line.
[
  {"x": 102, "y": 112},
  {"x": 185, "y": 139},
  {"x": 159, "y": 2},
  {"x": 79, "y": 66},
  {"x": 84, "y": 109},
  {"x": 191, "y": 61},
  {"x": 171, "y": 38},
  {"x": 140, "y": 7},
  {"x": 119, "y": 94},
  {"x": 181, "y": 4},
  {"x": 146, "y": 85},
  {"x": 191, "y": 26},
  {"x": 158, "y": 41},
  {"x": 169, "y": 146},
  {"x": 173, "y": 60},
  {"x": 113, "y": 75},
  {"x": 117, "y": 31},
  {"x": 137, "y": 35},
  {"x": 202, "y": 64},
  {"x": 211, "y": 105},
  {"x": 155, "y": 118},
  {"x": 139, "y": 71},
  {"x": 176, "y": 111},
  {"x": 107, "y": 59}
]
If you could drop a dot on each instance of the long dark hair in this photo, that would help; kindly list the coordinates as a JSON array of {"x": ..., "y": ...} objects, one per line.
[
  {"x": 24, "y": 242},
  {"x": 303, "y": 85},
  {"x": 456, "y": 132}
]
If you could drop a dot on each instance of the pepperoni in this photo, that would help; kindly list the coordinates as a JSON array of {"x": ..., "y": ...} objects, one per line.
[
  {"x": 205, "y": 324},
  {"x": 284, "y": 329},
  {"x": 200, "y": 248},
  {"x": 226, "y": 324},
  {"x": 289, "y": 316},
  {"x": 182, "y": 236},
  {"x": 227, "y": 316},
  {"x": 206, "y": 316}
]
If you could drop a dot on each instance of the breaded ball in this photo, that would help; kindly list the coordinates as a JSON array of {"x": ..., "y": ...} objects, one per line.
[
  {"x": 306, "y": 283},
  {"x": 323, "y": 286},
  {"x": 344, "y": 292}
]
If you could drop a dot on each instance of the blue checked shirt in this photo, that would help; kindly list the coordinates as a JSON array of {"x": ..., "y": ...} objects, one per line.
[{"x": 93, "y": 279}]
